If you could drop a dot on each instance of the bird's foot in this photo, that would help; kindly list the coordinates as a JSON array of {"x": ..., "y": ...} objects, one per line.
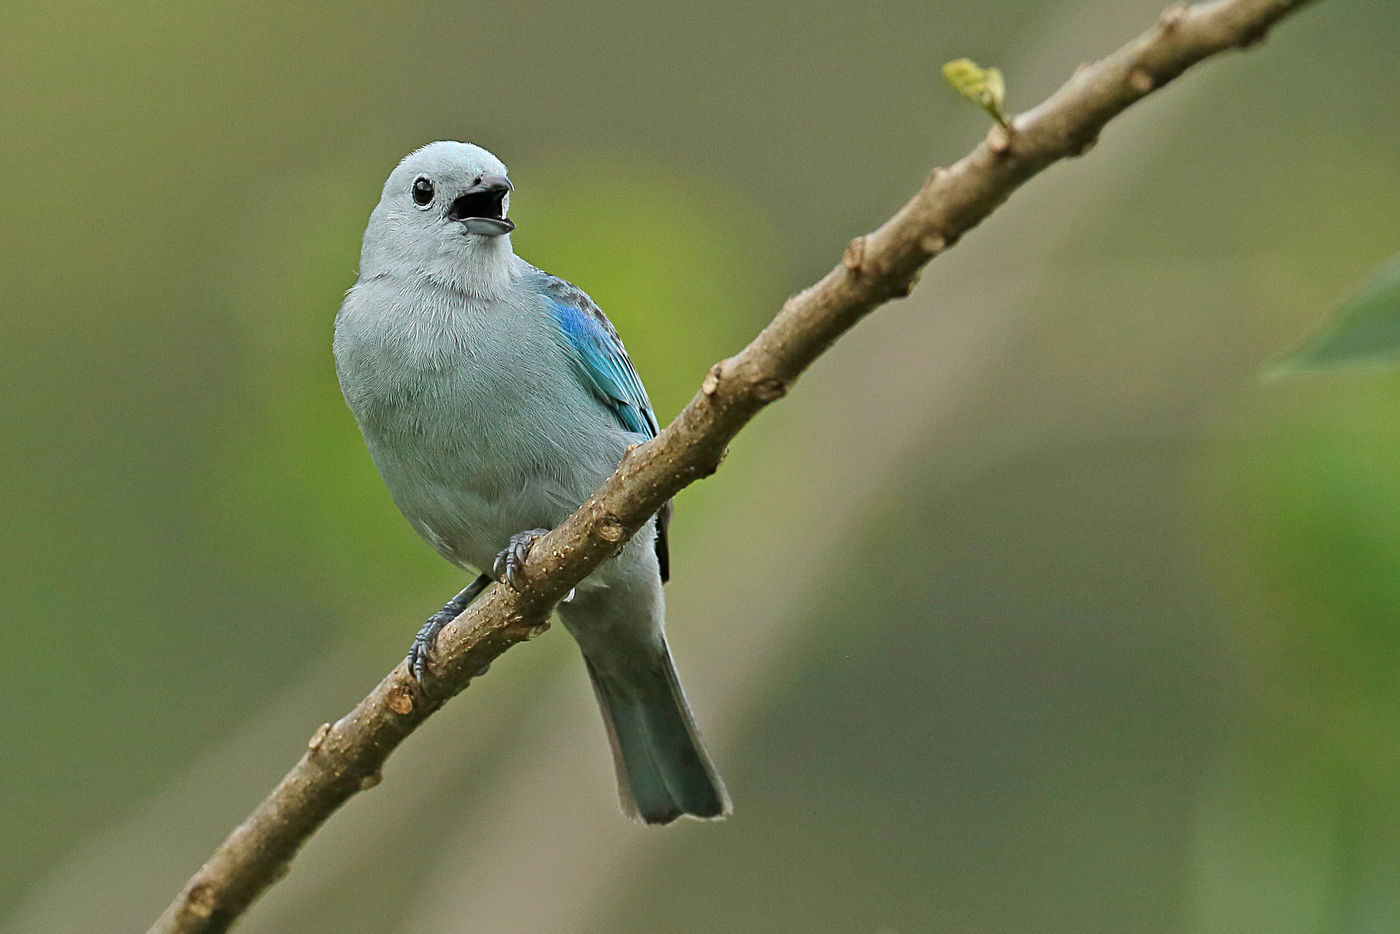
[
  {"x": 420, "y": 655},
  {"x": 511, "y": 561}
]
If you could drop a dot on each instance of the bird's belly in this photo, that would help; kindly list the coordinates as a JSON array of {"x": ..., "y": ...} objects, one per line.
[{"x": 478, "y": 473}]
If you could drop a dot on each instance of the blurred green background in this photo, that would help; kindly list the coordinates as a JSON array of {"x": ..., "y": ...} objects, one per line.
[{"x": 1032, "y": 609}]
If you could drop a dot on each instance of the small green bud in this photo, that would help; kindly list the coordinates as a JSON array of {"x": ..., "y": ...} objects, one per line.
[{"x": 985, "y": 88}]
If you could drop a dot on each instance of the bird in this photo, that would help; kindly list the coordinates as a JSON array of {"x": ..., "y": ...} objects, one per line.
[{"x": 494, "y": 399}]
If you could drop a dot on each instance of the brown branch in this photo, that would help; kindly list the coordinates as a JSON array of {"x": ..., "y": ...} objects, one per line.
[{"x": 347, "y": 756}]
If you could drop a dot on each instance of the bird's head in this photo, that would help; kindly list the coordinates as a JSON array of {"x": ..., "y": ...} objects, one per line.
[{"x": 443, "y": 214}]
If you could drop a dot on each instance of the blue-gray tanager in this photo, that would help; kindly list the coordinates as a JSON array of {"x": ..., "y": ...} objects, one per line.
[{"x": 495, "y": 398}]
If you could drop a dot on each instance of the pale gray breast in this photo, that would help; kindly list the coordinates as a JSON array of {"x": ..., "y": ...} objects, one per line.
[{"x": 474, "y": 413}]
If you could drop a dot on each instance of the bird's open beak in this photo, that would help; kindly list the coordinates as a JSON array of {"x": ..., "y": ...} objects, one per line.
[{"x": 481, "y": 208}]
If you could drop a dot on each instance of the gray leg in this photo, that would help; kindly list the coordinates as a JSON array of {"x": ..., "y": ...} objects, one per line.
[{"x": 421, "y": 654}]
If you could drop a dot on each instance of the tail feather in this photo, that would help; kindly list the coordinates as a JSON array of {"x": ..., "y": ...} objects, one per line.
[{"x": 663, "y": 770}]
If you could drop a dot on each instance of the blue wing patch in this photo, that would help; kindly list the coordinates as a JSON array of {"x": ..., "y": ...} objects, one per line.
[
  {"x": 601, "y": 358},
  {"x": 608, "y": 371}
]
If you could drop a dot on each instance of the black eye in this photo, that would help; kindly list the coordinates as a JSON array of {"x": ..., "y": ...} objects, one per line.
[{"x": 422, "y": 191}]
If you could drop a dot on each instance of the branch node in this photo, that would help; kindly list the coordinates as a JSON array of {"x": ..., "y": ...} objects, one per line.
[
  {"x": 854, "y": 257},
  {"x": 319, "y": 737},
  {"x": 999, "y": 139},
  {"x": 1140, "y": 81},
  {"x": 1087, "y": 146},
  {"x": 710, "y": 386},
  {"x": 1172, "y": 16},
  {"x": 202, "y": 901},
  {"x": 369, "y": 781},
  {"x": 400, "y": 700},
  {"x": 933, "y": 244},
  {"x": 537, "y": 630},
  {"x": 609, "y": 527}
]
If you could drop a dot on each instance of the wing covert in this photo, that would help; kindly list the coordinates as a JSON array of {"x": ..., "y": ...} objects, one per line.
[
  {"x": 602, "y": 359},
  {"x": 608, "y": 372}
]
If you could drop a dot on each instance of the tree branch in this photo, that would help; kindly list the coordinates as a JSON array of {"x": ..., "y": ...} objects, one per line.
[{"x": 347, "y": 756}]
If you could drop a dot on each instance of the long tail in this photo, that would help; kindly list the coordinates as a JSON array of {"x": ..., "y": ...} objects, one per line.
[{"x": 663, "y": 770}]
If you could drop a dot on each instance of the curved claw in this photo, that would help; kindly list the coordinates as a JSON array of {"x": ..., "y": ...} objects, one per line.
[
  {"x": 511, "y": 561},
  {"x": 420, "y": 655}
]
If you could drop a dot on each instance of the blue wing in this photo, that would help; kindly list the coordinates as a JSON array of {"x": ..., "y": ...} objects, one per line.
[
  {"x": 608, "y": 372},
  {"x": 601, "y": 358}
]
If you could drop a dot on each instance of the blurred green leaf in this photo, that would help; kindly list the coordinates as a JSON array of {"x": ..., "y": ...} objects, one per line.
[
  {"x": 984, "y": 87},
  {"x": 1366, "y": 331}
]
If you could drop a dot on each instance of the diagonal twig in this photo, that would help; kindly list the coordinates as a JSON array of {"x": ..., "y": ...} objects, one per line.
[{"x": 347, "y": 756}]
